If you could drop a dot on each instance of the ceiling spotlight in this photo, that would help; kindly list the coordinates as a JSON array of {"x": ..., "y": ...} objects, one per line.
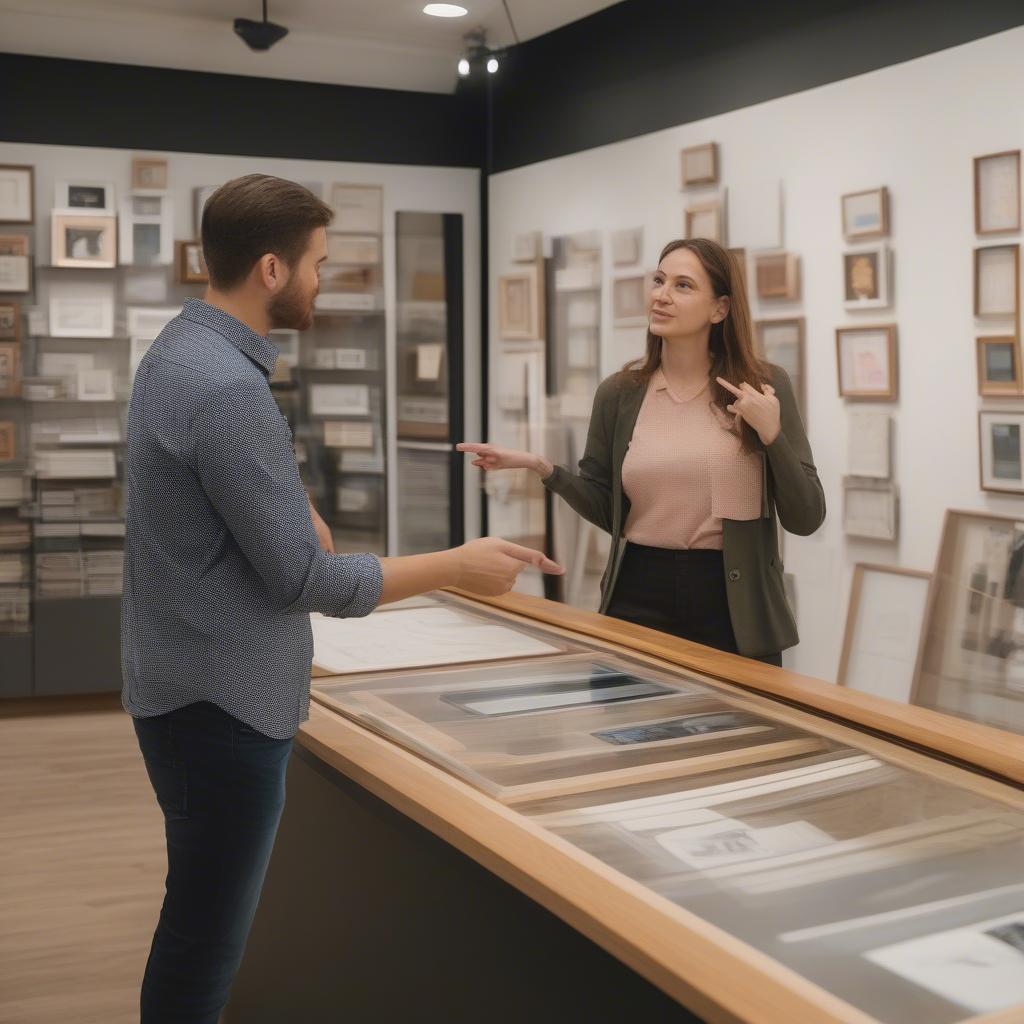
[
  {"x": 463, "y": 67},
  {"x": 492, "y": 65},
  {"x": 445, "y": 10},
  {"x": 260, "y": 35}
]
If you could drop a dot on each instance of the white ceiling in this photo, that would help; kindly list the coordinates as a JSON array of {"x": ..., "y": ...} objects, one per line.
[{"x": 384, "y": 43}]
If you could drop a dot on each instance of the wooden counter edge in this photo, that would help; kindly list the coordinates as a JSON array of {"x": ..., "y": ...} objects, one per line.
[
  {"x": 704, "y": 968},
  {"x": 994, "y": 750}
]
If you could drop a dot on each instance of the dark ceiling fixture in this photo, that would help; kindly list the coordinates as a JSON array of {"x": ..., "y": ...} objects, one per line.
[{"x": 260, "y": 35}]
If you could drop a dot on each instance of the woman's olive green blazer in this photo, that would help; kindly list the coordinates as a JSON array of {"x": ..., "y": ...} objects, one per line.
[{"x": 761, "y": 617}]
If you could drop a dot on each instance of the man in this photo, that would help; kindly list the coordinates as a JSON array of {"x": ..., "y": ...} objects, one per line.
[{"x": 222, "y": 567}]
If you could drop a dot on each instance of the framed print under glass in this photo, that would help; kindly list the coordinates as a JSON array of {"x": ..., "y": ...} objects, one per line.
[
  {"x": 528, "y": 247},
  {"x": 866, "y": 360},
  {"x": 997, "y": 281},
  {"x": 870, "y": 508},
  {"x": 997, "y": 193},
  {"x": 999, "y": 366},
  {"x": 700, "y": 164},
  {"x": 706, "y": 220},
  {"x": 629, "y": 300},
  {"x": 149, "y": 173},
  {"x": 10, "y": 321},
  {"x": 10, "y": 369},
  {"x": 781, "y": 342},
  {"x": 191, "y": 264},
  {"x": 84, "y": 196},
  {"x": 15, "y": 274},
  {"x": 869, "y": 445},
  {"x": 777, "y": 276},
  {"x": 358, "y": 209},
  {"x": 84, "y": 240},
  {"x": 520, "y": 305},
  {"x": 1001, "y": 451},
  {"x": 866, "y": 274},
  {"x": 883, "y": 630},
  {"x": 866, "y": 214},
  {"x": 82, "y": 311},
  {"x": 627, "y": 246},
  {"x": 17, "y": 191}
]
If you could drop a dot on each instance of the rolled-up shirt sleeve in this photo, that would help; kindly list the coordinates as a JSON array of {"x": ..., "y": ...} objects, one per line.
[{"x": 245, "y": 462}]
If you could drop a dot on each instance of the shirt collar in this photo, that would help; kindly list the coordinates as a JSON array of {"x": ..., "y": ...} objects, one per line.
[
  {"x": 659, "y": 383},
  {"x": 258, "y": 348}
]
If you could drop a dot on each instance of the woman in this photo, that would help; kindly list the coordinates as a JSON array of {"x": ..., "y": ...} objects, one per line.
[{"x": 692, "y": 452}]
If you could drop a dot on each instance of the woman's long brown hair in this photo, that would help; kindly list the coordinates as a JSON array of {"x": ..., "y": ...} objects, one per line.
[{"x": 731, "y": 342}]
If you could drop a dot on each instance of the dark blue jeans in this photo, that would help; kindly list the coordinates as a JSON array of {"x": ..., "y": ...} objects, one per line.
[{"x": 220, "y": 785}]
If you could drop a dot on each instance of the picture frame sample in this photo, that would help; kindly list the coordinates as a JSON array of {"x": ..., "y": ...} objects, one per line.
[
  {"x": 781, "y": 342},
  {"x": 84, "y": 196},
  {"x": 999, "y": 371},
  {"x": 777, "y": 275},
  {"x": 13, "y": 245},
  {"x": 15, "y": 274},
  {"x": 629, "y": 300},
  {"x": 997, "y": 192},
  {"x": 96, "y": 385},
  {"x": 997, "y": 281},
  {"x": 17, "y": 194},
  {"x": 149, "y": 173},
  {"x": 866, "y": 214},
  {"x": 137, "y": 348},
  {"x": 84, "y": 240},
  {"x": 699, "y": 164},
  {"x": 870, "y": 508},
  {"x": 358, "y": 209},
  {"x": 348, "y": 434},
  {"x": 884, "y": 620},
  {"x": 82, "y": 312},
  {"x": 339, "y": 400},
  {"x": 866, "y": 362},
  {"x": 869, "y": 445},
  {"x": 528, "y": 247},
  {"x": 627, "y": 246},
  {"x": 146, "y": 230},
  {"x": 520, "y": 304},
  {"x": 705, "y": 220},
  {"x": 756, "y": 215},
  {"x": 970, "y": 656},
  {"x": 866, "y": 278},
  {"x": 200, "y": 195},
  {"x": 10, "y": 321},
  {"x": 149, "y": 321},
  {"x": 1001, "y": 451},
  {"x": 8, "y": 441},
  {"x": 422, "y": 417},
  {"x": 191, "y": 264},
  {"x": 10, "y": 369},
  {"x": 358, "y": 250}
]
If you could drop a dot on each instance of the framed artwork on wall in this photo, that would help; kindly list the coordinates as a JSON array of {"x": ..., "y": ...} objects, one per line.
[
  {"x": 146, "y": 230},
  {"x": 777, "y": 275},
  {"x": 866, "y": 360},
  {"x": 8, "y": 441},
  {"x": 706, "y": 220},
  {"x": 149, "y": 321},
  {"x": 358, "y": 209},
  {"x": 866, "y": 275},
  {"x": 15, "y": 274},
  {"x": 82, "y": 311},
  {"x": 869, "y": 445},
  {"x": 997, "y": 281},
  {"x": 528, "y": 247},
  {"x": 520, "y": 297},
  {"x": 781, "y": 342},
  {"x": 191, "y": 264},
  {"x": 700, "y": 164},
  {"x": 13, "y": 245},
  {"x": 149, "y": 174},
  {"x": 866, "y": 214},
  {"x": 756, "y": 215},
  {"x": 10, "y": 369},
  {"x": 84, "y": 240},
  {"x": 629, "y": 300},
  {"x": 627, "y": 246},
  {"x": 84, "y": 196},
  {"x": 998, "y": 366},
  {"x": 883, "y": 630},
  {"x": 1000, "y": 451},
  {"x": 10, "y": 321},
  {"x": 358, "y": 250},
  {"x": 17, "y": 192},
  {"x": 870, "y": 508},
  {"x": 997, "y": 193}
]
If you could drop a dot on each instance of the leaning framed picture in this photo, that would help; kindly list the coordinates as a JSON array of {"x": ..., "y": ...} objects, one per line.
[
  {"x": 781, "y": 342},
  {"x": 84, "y": 196},
  {"x": 699, "y": 164},
  {"x": 870, "y": 508},
  {"x": 997, "y": 193},
  {"x": 999, "y": 366},
  {"x": 149, "y": 174},
  {"x": 520, "y": 304},
  {"x": 629, "y": 301},
  {"x": 866, "y": 278},
  {"x": 190, "y": 263},
  {"x": 883, "y": 630},
  {"x": 705, "y": 220},
  {"x": 997, "y": 281},
  {"x": 866, "y": 214},
  {"x": 84, "y": 240},
  {"x": 10, "y": 321},
  {"x": 17, "y": 192},
  {"x": 1001, "y": 451},
  {"x": 866, "y": 361},
  {"x": 777, "y": 275}
]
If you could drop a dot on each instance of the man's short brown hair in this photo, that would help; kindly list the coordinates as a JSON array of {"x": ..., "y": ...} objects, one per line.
[{"x": 250, "y": 216}]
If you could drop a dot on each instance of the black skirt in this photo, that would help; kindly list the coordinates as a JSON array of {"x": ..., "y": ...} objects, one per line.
[{"x": 677, "y": 592}]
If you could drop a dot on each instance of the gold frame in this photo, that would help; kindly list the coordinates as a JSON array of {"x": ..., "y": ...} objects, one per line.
[
  {"x": 883, "y": 197},
  {"x": 889, "y": 395},
  {"x": 703, "y": 179},
  {"x": 532, "y": 327},
  {"x": 978, "y": 161},
  {"x": 998, "y": 389},
  {"x": 181, "y": 263}
]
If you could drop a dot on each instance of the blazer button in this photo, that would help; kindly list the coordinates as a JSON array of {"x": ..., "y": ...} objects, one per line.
[{"x": 734, "y": 575}]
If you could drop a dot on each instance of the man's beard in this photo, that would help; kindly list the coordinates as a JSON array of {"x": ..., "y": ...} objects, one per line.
[{"x": 291, "y": 310}]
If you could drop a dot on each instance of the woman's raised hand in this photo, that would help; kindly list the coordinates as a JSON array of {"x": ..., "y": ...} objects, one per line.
[
  {"x": 759, "y": 408},
  {"x": 492, "y": 456}
]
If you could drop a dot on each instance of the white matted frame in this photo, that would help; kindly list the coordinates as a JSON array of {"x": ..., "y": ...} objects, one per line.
[
  {"x": 866, "y": 214},
  {"x": 756, "y": 215},
  {"x": 149, "y": 321},
  {"x": 17, "y": 194},
  {"x": 1001, "y": 451},
  {"x": 82, "y": 311},
  {"x": 870, "y": 508},
  {"x": 520, "y": 304},
  {"x": 883, "y": 630},
  {"x": 866, "y": 363},
  {"x": 15, "y": 273},
  {"x": 997, "y": 192},
  {"x": 866, "y": 277},
  {"x": 146, "y": 230},
  {"x": 869, "y": 445},
  {"x": 997, "y": 281}
]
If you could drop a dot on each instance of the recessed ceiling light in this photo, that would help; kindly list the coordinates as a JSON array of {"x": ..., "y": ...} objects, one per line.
[{"x": 445, "y": 10}]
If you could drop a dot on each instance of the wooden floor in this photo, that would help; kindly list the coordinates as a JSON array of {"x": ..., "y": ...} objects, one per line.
[{"x": 82, "y": 863}]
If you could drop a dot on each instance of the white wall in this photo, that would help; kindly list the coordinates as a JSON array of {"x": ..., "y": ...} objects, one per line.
[
  {"x": 913, "y": 127},
  {"x": 425, "y": 189}
]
